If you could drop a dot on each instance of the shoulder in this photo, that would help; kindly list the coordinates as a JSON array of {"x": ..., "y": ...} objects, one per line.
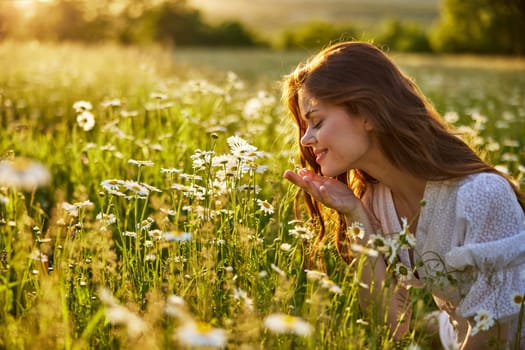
[{"x": 481, "y": 186}]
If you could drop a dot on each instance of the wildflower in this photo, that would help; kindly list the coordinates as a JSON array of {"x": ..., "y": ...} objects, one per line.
[
  {"x": 451, "y": 117},
  {"x": 106, "y": 219},
  {"x": 151, "y": 188},
  {"x": 112, "y": 185},
  {"x": 178, "y": 236},
  {"x": 23, "y": 173},
  {"x": 86, "y": 120},
  {"x": 111, "y": 103},
  {"x": 356, "y": 230},
  {"x": 313, "y": 275},
  {"x": 145, "y": 224},
  {"x": 378, "y": 242},
  {"x": 176, "y": 307},
  {"x": 239, "y": 146},
  {"x": 301, "y": 232},
  {"x": 117, "y": 314},
  {"x": 331, "y": 286},
  {"x": 285, "y": 247},
  {"x": 129, "y": 234},
  {"x": 73, "y": 209},
  {"x": 265, "y": 207},
  {"x": 150, "y": 257},
  {"x": 278, "y": 270},
  {"x": 484, "y": 320},
  {"x": 141, "y": 163},
  {"x": 403, "y": 273},
  {"x": 282, "y": 323},
  {"x": 169, "y": 212},
  {"x": 201, "y": 334},
  {"x": 136, "y": 187},
  {"x": 170, "y": 171},
  {"x": 364, "y": 250},
  {"x": 240, "y": 294},
  {"x": 81, "y": 106},
  {"x": 191, "y": 177}
]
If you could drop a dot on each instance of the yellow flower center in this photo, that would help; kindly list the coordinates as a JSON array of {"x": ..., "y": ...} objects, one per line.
[{"x": 203, "y": 327}]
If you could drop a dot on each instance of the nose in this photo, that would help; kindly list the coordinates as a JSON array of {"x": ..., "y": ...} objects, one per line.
[{"x": 308, "y": 138}]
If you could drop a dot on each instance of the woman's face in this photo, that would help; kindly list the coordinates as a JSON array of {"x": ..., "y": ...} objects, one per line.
[{"x": 339, "y": 140}]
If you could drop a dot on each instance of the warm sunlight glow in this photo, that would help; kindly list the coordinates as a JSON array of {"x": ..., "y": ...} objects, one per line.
[{"x": 27, "y": 7}]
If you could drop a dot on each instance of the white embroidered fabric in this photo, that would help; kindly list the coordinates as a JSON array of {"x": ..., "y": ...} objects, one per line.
[{"x": 470, "y": 242}]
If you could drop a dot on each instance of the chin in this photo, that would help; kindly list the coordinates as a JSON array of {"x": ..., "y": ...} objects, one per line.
[{"x": 332, "y": 172}]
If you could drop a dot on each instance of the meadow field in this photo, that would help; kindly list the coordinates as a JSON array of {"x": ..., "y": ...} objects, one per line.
[{"x": 142, "y": 204}]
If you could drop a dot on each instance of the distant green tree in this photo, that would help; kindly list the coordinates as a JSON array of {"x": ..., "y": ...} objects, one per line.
[
  {"x": 232, "y": 33},
  {"x": 480, "y": 26},
  {"x": 407, "y": 37},
  {"x": 315, "y": 34}
]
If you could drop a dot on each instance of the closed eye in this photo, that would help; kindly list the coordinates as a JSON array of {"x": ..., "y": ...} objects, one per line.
[{"x": 318, "y": 125}]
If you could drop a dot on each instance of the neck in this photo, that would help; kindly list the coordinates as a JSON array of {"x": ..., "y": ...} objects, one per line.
[{"x": 405, "y": 187}]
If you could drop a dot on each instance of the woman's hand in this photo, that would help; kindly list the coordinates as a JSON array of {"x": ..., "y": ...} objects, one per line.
[{"x": 329, "y": 191}]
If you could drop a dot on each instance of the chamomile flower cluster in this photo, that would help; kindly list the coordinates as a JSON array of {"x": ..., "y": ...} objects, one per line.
[{"x": 85, "y": 118}]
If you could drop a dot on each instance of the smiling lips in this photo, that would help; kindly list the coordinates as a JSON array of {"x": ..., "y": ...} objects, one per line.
[{"x": 319, "y": 154}]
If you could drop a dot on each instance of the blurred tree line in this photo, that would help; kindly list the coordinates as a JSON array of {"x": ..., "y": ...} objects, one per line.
[
  {"x": 169, "y": 22},
  {"x": 474, "y": 26}
]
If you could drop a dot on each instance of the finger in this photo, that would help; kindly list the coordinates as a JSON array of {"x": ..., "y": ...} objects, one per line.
[
  {"x": 293, "y": 178},
  {"x": 311, "y": 187}
]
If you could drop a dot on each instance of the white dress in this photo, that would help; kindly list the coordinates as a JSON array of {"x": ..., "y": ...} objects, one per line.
[{"x": 470, "y": 244}]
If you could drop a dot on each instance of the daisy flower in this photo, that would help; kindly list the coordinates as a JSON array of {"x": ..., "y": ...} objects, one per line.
[
  {"x": 356, "y": 230},
  {"x": 301, "y": 232},
  {"x": 484, "y": 320},
  {"x": 313, "y": 275},
  {"x": 111, "y": 103},
  {"x": 23, "y": 173},
  {"x": 282, "y": 323},
  {"x": 331, "y": 286},
  {"x": 136, "y": 188},
  {"x": 403, "y": 273},
  {"x": 81, "y": 106},
  {"x": 73, "y": 209},
  {"x": 86, "y": 120},
  {"x": 265, "y": 207},
  {"x": 239, "y": 146},
  {"x": 201, "y": 334},
  {"x": 285, "y": 247},
  {"x": 378, "y": 242},
  {"x": 106, "y": 219},
  {"x": 141, "y": 163},
  {"x": 170, "y": 171},
  {"x": 240, "y": 294}
]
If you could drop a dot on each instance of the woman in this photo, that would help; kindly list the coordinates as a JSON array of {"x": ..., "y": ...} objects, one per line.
[{"x": 374, "y": 150}]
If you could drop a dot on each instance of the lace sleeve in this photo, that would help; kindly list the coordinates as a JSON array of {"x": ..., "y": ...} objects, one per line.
[{"x": 494, "y": 246}]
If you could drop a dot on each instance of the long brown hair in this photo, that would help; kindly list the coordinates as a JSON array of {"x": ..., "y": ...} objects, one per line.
[{"x": 412, "y": 135}]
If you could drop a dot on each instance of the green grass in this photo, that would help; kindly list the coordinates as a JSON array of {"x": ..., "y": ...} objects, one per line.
[{"x": 66, "y": 275}]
